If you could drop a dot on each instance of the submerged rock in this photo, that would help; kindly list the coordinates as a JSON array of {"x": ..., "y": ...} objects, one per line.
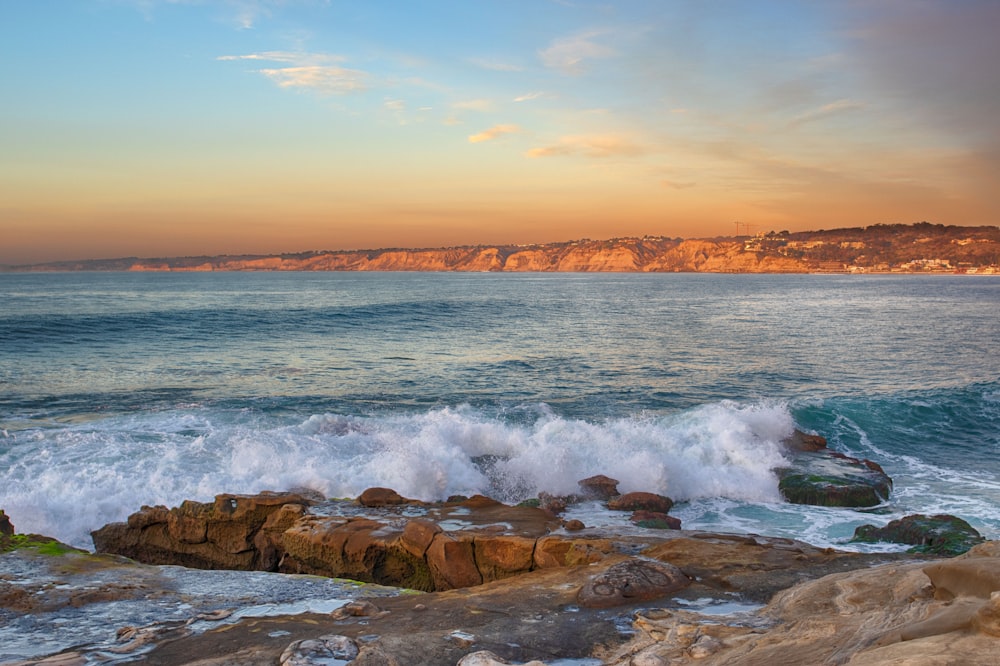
[{"x": 940, "y": 534}]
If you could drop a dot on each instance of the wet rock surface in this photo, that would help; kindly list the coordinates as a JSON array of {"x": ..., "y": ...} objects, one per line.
[
  {"x": 940, "y": 534},
  {"x": 821, "y": 477}
]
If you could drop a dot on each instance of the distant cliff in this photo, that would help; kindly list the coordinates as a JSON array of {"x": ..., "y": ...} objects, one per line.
[{"x": 881, "y": 248}]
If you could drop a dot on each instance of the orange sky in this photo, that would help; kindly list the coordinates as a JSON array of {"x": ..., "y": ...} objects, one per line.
[{"x": 162, "y": 128}]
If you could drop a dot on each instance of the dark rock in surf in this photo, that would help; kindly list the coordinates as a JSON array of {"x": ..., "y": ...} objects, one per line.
[
  {"x": 598, "y": 487},
  {"x": 641, "y": 502},
  {"x": 802, "y": 441},
  {"x": 6, "y": 527},
  {"x": 655, "y": 520},
  {"x": 373, "y": 497},
  {"x": 828, "y": 478},
  {"x": 940, "y": 534}
]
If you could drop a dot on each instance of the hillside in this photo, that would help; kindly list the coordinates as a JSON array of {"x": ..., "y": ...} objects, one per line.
[{"x": 919, "y": 247}]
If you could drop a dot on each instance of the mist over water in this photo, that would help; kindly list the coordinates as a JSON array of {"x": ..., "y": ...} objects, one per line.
[{"x": 120, "y": 390}]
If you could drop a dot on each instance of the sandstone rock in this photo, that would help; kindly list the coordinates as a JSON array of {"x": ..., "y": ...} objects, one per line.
[
  {"x": 567, "y": 552},
  {"x": 452, "y": 562},
  {"x": 801, "y": 441},
  {"x": 374, "y": 497},
  {"x": 373, "y": 655},
  {"x": 655, "y": 520},
  {"x": 322, "y": 650},
  {"x": 552, "y": 504},
  {"x": 599, "y": 487},
  {"x": 573, "y": 525},
  {"x": 631, "y": 581},
  {"x": 499, "y": 557},
  {"x": 418, "y": 535},
  {"x": 641, "y": 501},
  {"x": 974, "y": 577},
  {"x": 217, "y": 535},
  {"x": 940, "y": 534}
]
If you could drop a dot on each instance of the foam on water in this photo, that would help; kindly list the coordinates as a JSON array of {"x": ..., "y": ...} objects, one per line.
[{"x": 66, "y": 481}]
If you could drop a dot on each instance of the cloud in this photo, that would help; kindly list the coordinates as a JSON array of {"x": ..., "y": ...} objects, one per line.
[
  {"x": 825, "y": 111},
  {"x": 594, "y": 145},
  {"x": 493, "y": 133},
  {"x": 570, "y": 53},
  {"x": 496, "y": 66},
  {"x": 474, "y": 105},
  {"x": 318, "y": 72},
  {"x": 528, "y": 96}
]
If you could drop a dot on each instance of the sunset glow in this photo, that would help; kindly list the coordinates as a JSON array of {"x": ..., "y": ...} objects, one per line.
[{"x": 185, "y": 127}]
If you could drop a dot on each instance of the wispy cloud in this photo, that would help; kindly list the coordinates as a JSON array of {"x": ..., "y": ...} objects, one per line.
[
  {"x": 592, "y": 145},
  {"x": 825, "y": 111},
  {"x": 493, "y": 133},
  {"x": 570, "y": 54},
  {"x": 474, "y": 105},
  {"x": 496, "y": 66},
  {"x": 318, "y": 72},
  {"x": 528, "y": 96}
]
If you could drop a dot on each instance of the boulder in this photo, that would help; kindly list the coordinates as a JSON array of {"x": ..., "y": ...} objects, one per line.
[
  {"x": 655, "y": 520},
  {"x": 641, "y": 502},
  {"x": 374, "y": 497},
  {"x": 6, "y": 527},
  {"x": 214, "y": 535},
  {"x": 940, "y": 534},
  {"x": 827, "y": 478},
  {"x": 598, "y": 487},
  {"x": 630, "y": 581}
]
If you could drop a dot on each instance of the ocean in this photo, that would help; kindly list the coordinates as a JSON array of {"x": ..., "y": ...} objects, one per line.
[{"x": 119, "y": 390}]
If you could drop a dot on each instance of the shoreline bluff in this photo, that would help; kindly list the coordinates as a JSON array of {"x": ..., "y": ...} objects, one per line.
[
  {"x": 898, "y": 248},
  {"x": 473, "y": 581}
]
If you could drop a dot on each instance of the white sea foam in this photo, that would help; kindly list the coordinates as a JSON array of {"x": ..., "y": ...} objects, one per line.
[{"x": 66, "y": 481}]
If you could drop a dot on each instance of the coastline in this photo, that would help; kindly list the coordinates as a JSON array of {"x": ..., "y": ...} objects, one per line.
[
  {"x": 893, "y": 249},
  {"x": 624, "y": 598}
]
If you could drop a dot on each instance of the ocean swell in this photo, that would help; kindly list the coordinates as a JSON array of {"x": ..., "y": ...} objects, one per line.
[{"x": 67, "y": 480}]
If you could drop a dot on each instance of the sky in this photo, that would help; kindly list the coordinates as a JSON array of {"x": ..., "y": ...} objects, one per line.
[{"x": 157, "y": 128}]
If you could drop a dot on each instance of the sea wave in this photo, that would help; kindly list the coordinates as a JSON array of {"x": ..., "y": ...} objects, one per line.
[{"x": 67, "y": 480}]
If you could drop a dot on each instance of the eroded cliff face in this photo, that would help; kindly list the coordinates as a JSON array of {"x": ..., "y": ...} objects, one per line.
[{"x": 623, "y": 255}]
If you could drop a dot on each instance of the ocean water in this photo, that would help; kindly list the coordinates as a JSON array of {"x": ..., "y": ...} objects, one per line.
[{"x": 119, "y": 390}]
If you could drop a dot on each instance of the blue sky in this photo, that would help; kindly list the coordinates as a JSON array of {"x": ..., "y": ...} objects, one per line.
[{"x": 164, "y": 127}]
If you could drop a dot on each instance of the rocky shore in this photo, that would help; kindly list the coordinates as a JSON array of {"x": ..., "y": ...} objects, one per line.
[{"x": 294, "y": 578}]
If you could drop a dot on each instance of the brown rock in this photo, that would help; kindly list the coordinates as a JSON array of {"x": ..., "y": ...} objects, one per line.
[
  {"x": 188, "y": 523},
  {"x": 632, "y": 581},
  {"x": 553, "y": 551},
  {"x": 148, "y": 515},
  {"x": 499, "y": 557},
  {"x": 374, "y": 497},
  {"x": 573, "y": 525},
  {"x": 801, "y": 441},
  {"x": 599, "y": 487},
  {"x": 418, "y": 535},
  {"x": 975, "y": 577},
  {"x": 641, "y": 501},
  {"x": 452, "y": 562},
  {"x": 655, "y": 520}
]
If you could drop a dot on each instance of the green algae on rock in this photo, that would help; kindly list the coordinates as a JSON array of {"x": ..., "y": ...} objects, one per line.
[
  {"x": 825, "y": 478},
  {"x": 940, "y": 534}
]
